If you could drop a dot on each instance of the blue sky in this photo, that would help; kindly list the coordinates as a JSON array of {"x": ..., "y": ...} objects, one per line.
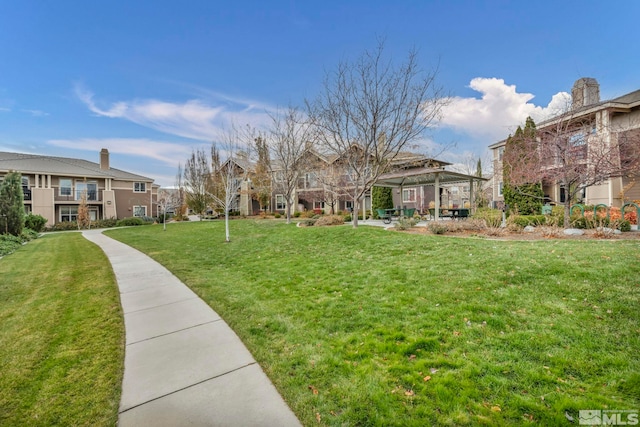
[{"x": 152, "y": 80}]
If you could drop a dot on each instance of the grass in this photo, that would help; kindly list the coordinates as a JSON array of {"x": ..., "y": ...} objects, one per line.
[
  {"x": 62, "y": 337},
  {"x": 371, "y": 327}
]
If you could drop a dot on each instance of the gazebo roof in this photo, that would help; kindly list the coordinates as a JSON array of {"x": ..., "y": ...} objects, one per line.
[{"x": 424, "y": 176}]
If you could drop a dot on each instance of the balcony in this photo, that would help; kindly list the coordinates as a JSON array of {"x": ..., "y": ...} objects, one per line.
[{"x": 92, "y": 196}]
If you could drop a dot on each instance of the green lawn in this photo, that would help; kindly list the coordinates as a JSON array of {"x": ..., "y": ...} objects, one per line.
[
  {"x": 62, "y": 336},
  {"x": 372, "y": 327}
]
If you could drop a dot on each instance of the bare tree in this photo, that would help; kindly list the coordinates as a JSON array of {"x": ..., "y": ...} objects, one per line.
[
  {"x": 369, "y": 110},
  {"x": 573, "y": 151},
  {"x": 291, "y": 137},
  {"x": 228, "y": 176},
  {"x": 198, "y": 182}
]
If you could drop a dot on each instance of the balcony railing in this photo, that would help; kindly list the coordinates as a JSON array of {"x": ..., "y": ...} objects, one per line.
[{"x": 92, "y": 196}]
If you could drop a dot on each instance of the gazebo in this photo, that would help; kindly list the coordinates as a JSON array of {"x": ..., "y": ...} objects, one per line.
[{"x": 427, "y": 176}]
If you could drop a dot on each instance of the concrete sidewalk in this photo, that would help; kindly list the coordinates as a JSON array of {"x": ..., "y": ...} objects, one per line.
[{"x": 183, "y": 365}]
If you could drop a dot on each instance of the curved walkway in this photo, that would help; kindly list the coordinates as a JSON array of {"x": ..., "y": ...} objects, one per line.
[{"x": 183, "y": 365}]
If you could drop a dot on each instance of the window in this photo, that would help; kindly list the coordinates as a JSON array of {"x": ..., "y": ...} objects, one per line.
[
  {"x": 577, "y": 139},
  {"x": 25, "y": 181},
  {"x": 500, "y": 188},
  {"x": 68, "y": 213},
  {"x": 348, "y": 205},
  {"x": 408, "y": 195},
  {"x": 500, "y": 153},
  {"x": 318, "y": 204},
  {"x": 139, "y": 187},
  {"x": 65, "y": 187},
  {"x": 139, "y": 211},
  {"x": 280, "y": 202},
  {"x": 90, "y": 189}
]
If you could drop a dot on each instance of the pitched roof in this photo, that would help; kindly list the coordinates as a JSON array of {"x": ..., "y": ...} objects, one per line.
[{"x": 62, "y": 166}]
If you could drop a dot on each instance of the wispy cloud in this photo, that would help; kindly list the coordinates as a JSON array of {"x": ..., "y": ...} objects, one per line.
[
  {"x": 4, "y": 110},
  {"x": 499, "y": 111},
  {"x": 165, "y": 152},
  {"x": 198, "y": 119},
  {"x": 35, "y": 113}
]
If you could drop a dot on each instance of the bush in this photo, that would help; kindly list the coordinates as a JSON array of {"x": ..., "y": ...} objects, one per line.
[
  {"x": 127, "y": 222},
  {"x": 29, "y": 234},
  {"x": 491, "y": 217},
  {"x": 9, "y": 243},
  {"x": 277, "y": 215},
  {"x": 347, "y": 218},
  {"x": 35, "y": 222},
  {"x": 437, "y": 227},
  {"x": 307, "y": 222},
  {"x": 624, "y": 226},
  {"x": 104, "y": 223},
  {"x": 405, "y": 223},
  {"x": 63, "y": 226},
  {"x": 296, "y": 214},
  {"x": 330, "y": 220},
  {"x": 525, "y": 220}
]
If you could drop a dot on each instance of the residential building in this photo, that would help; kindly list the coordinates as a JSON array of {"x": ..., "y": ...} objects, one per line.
[
  {"x": 54, "y": 186},
  {"x": 589, "y": 125}
]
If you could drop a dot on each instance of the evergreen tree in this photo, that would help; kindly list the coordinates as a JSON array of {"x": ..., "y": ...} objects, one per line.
[
  {"x": 381, "y": 198},
  {"x": 525, "y": 199},
  {"x": 261, "y": 179},
  {"x": 11, "y": 204}
]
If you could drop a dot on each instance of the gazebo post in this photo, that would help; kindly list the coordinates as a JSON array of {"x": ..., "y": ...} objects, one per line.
[
  {"x": 437, "y": 197},
  {"x": 471, "y": 204}
]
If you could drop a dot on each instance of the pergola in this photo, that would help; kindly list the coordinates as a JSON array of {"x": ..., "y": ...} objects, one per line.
[{"x": 427, "y": 176}]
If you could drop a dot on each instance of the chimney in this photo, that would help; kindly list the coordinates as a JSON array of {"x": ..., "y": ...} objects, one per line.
[
  {"x": 585, "y": 91},
  {"x": 104, "y": 159}
]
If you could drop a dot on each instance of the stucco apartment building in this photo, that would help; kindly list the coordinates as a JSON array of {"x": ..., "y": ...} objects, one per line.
[
  {"x": 53, "y": 187},
  {"x": 590, "y": 121}
]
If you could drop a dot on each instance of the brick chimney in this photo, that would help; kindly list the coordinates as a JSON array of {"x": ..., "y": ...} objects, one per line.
[{"x": 104, "y": 159}]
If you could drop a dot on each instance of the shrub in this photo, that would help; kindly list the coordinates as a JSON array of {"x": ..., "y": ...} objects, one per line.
[
  {"x": 624, "y": 226},
  {"x": 347, "y": 218},
  {"x": 437, "y": 227},
  {"x": 127, "y": 222},
  {"x": 296, "y": 214},
  {"x": 405, "y": 223},
  {"x": 491, "y": 217},
  {"x": 330, "y": 220},
  {"x": 277, "y": 215},
  {"x": 29, "y": 234},
  {"x": 63, "y": 226},
  {"x": 307, "y": 222},
  {"x": 104, "y": 223},
  {"x": 35, "y": 222},
  {"x": 9, "y": 243}
]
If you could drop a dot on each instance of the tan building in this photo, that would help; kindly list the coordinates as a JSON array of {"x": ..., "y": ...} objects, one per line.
[
  {"x": 53, "y": 187},
  {"x": 589, "y": 123}
]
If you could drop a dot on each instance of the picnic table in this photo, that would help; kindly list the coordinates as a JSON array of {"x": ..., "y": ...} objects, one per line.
[
  {"x": 387, "y": 214},
  {"x": 453, "y": 213}
]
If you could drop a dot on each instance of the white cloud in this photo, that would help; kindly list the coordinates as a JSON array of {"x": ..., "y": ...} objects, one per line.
[
  {"x": 36, "y": 113},
  {"x": 499, "y": 111},
  {"x": 168, "y": 153},
  {"x": 194, "y": 119}
]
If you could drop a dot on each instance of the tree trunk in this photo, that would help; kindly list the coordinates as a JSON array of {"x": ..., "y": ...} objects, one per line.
[
  {"x": 567, "y": 213},
  {"x": 354, "y": 214},
  {"x": 226, "y": 225}
]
